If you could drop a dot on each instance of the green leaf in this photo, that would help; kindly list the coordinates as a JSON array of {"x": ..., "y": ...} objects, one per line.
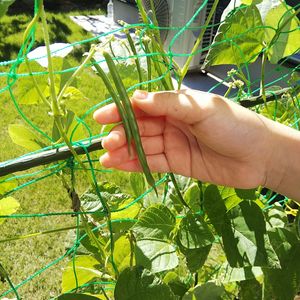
[
  {"x": 73, "y": 94},
  {"x": 116, "y": 199},
  {"x": 8, "y": 206},
  {"x": 195, "y": 258},
  {"x": 25, "y": 88},
  {"x": 137, "y": 183},
  {"x": 230, "y": 197},
  {"x": 288, "y": 41},
  {"x": 156, "y": 256},
  {"x": 24, "y": 137},
  {"x": 192, "y": 197},
  {"x": 215, "y": 207},
  {"x": 194, "y": 233},
  {"x": 76, "y": 297},
  {"x": 287, "y": 247},
  {"x": 86, "y": 267},
  {"x": 4, "y": 4},
  {"x": 248, "y": 234},
  {"x": 240, "y": 274},
  {"x": 139, "y": 283},
  {"x": 207, "y": 291},
  {"x": 239, "y": 38},
  {"x": 250, "y": 289},
  {"x": 6, "y": 184},
  {"x": 176, "y": 284},
  {"x": 243, "y": 230},
  {"x": 122, "y": 253},
  {"x": 61, "y": 65},
  {"x": 276, "y": 217},
  {"x": 156, "y": 222}
]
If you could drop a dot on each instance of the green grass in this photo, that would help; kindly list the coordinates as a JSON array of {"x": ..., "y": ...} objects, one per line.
[{"x": 22, "y": 258}]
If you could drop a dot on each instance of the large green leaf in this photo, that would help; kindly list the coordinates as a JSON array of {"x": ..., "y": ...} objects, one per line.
[
  {"x": 287, "y": 247},
  {"x": 24, "y": 137},
  {"x": 194, "y": 233},
  {"x": 195, "y": 258},
  {"x": 243, "y": 230},
  {"x": 156, "y": 222},
  {"x": 239, "y": 39},
  {"x": 123, "y": 255},
  {"x": 139, "y": 283},
  {"x": 8, "y": 206},
  {"x": 207, "y": 291},
  {"x": 215, "y": 208},
  {"x": 239, "y": 274},
  {"x": 156, "y": 256},
  {"x": 86, "y": 268},
  {"x": 26, "y": 91},
  {"x": 288, "y": 41},
  {"x": 230, "y": 197},
  {"x": 4, "y": 4},
  {"x": 250, "y": 237}
]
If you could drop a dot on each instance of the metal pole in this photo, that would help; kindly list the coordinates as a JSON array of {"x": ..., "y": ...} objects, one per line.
[{"x": 46, "y": 157}]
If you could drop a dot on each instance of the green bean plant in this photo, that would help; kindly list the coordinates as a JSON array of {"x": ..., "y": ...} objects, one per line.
[{"x": 189, "y": 239}]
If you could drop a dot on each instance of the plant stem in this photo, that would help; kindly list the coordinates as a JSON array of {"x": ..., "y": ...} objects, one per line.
[
  {"x": 30, "y": 235},
  {"x": 262, "y": 79},
  {"x": 76, "y": 73},
  {"x": 134, "y": 52},
  {"x": 54, "y": 102}
]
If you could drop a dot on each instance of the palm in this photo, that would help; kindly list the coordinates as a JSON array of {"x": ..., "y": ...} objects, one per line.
[{"x": 191, "y": 156}]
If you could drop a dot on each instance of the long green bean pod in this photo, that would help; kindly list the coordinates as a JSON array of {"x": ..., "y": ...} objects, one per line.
[
  {"x": 117, "y": 101},
  {"x": 134, "y": 52},
  {"x": 131, "y": 118},
  {"x": 146, "y": 42}
]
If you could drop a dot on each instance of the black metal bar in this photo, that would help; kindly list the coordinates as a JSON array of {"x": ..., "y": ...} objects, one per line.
[
  {"x": 46, "y": 157},
  {"x": 276, "y": 95}
]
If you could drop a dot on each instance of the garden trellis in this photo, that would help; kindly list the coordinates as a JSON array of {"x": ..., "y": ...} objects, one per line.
[{"x": 109, "y": 221}]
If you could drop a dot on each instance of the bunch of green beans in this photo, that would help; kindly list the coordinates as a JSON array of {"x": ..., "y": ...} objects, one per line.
[{"x": 125, "y": 109}]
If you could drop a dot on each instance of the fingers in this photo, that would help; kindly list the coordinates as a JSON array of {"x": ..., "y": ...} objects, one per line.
[
  {"x": 189, "y": 106},
  {"x": 109, "y": 114},
  {"x": 151, "y": 145},
  {"x": 147, "y": 127},
  {"x": 157, "y": 163}
]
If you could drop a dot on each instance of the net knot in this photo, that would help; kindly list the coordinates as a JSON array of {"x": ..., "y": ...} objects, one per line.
[
  {"x": 151, "y": 26},
  {"x": 12, "y": 76}
]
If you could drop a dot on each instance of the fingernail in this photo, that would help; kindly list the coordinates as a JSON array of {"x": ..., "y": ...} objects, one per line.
[{"x": 140, "y": 94}]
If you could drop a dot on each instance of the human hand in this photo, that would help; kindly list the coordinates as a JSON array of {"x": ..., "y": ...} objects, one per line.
[{"x": 194, "y": 134}]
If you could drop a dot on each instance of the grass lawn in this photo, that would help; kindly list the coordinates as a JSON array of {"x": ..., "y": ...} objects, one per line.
[{"x": 24, "y": 257}]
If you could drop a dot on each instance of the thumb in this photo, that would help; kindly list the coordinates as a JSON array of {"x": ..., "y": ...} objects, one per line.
[{"x": 183, "y": 105}]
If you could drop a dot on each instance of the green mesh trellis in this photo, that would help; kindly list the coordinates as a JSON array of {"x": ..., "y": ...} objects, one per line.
[{"x": 246, "y": 94}]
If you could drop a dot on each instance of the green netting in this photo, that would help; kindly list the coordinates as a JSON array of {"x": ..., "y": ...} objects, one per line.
[{"x": 80, "y": 173}]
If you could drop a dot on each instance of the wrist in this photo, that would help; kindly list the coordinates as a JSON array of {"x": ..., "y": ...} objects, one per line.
[{"x": 283, "y": 163}]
